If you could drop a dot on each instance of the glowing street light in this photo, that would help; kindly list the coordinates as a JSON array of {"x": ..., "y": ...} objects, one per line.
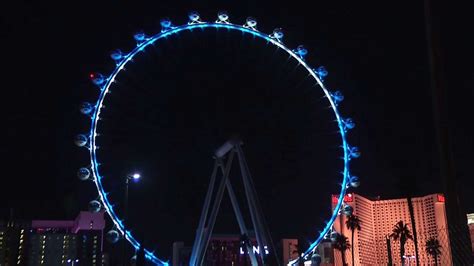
[{"x": 135, "y": 177}]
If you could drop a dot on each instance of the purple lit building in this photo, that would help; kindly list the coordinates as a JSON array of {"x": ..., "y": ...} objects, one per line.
[{"x": 54, "y": 242}]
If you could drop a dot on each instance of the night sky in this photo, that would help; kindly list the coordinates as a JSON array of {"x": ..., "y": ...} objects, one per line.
[{"x": 185, "y": 96}]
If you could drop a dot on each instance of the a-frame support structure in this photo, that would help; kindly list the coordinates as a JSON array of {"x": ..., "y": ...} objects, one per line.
[{"x": 207, "y": 220}]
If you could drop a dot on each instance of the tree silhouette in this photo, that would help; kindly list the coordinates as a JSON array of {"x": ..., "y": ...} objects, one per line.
[
  {"x": 433, "y": 248},
  {"x": 342, "y": 244},
  {"x": 402, "y": 233},
  {"x": 353, "y": 223}
]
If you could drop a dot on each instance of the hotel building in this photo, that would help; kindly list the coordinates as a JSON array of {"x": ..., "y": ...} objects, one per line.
[
  {"x": 470, "y": 223},
  {"x": 377, "y": 220}
]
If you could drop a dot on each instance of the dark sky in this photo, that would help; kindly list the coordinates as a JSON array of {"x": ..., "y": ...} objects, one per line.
[{"x": 207, "y": 86}]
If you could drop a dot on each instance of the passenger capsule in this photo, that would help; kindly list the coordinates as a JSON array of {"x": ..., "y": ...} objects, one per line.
[
  {"x": 354, "y": 152},
  {"x": 86, "y": 108},
  {"x": 223, "y": 16},
  {"x": 165, "y": 23},
  {"x": 354, "y": 181},
  {"x": 81, "y": 140},
  {"x": 83, "y": 173},
  {"x": 193, "y": 16},
  {"x": 348, "y": 123},
  {"x": 322, "y": 72},
  {"x": 315, "y": 259},
  {"x": 334, "y": 236},
  {"x": 112, "y": 236},
  {"x": 116, "y": 55},
  {"x": 347, "y": 210},
  {"x": 337, "y": 97},
  {"x": 94, "y": 206},
  {"x": 278, "y": 33},
  {"x": 97, "y": 78},
  {"x": 139, "y": 36},
  {"x": 251, "y": 22},
  {"x": 301, "y": 51}
]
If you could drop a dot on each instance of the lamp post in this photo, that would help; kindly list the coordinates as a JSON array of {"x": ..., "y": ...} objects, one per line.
[{"x": 134, "y": 177}]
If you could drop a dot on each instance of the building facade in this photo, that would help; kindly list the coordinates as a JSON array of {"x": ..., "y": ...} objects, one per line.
[
  {"x": 326, "y": 252},
  {"x": 289, "y": 248},
  {"x": 378, "y": 218},
  {"x": 470, "y": 223},
  {"x": 14, "y": 236},
  {"x": 53, "y": 242}
]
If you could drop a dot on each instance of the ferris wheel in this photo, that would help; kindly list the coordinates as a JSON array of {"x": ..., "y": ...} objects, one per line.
[{"x": 121, "y": 59}]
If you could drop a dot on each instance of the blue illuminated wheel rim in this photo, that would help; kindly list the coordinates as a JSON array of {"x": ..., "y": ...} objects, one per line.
[{"x": 143, "y": 41}]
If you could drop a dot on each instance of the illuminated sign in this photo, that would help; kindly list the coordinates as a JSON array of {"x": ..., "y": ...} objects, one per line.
[
  {"x": 441, "y": 198},
  {"x": 255, "y": 249},
  {"x": 347, "y": 198}
]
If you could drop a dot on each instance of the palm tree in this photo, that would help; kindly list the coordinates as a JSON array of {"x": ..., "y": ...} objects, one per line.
[
  {"x": 413, "y": 227},
  {"x": 433, "y": 248},
  {"x": 342, "y": 244},
  {"x": 353, "y": 223},
  {"x": 402, "y": 233}
]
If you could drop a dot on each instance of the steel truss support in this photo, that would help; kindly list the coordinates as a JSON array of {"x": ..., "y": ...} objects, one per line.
[{"x": 207, "y": 222}]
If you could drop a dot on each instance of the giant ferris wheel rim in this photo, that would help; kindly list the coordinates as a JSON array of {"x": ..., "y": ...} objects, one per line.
[{"x": 104, "y": 90}]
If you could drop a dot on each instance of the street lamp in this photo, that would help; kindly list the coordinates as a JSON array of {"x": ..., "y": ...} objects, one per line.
[{"x": 135, "y": 177}]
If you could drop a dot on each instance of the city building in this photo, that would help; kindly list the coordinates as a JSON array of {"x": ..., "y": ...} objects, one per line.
[
  {"x": 470, "y": 223},
  {"x": 326, "y": 251},
  {"x": 14, "y": 236},
  {"x": 181, "y": 254},
  {"x": 377, "y": 220},
  {"x": 54, "y": 242},
  {"x": 289, "y": 248}
]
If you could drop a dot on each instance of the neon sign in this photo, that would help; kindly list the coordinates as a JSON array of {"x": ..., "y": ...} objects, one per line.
[{"x": 255, "y": 249}]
